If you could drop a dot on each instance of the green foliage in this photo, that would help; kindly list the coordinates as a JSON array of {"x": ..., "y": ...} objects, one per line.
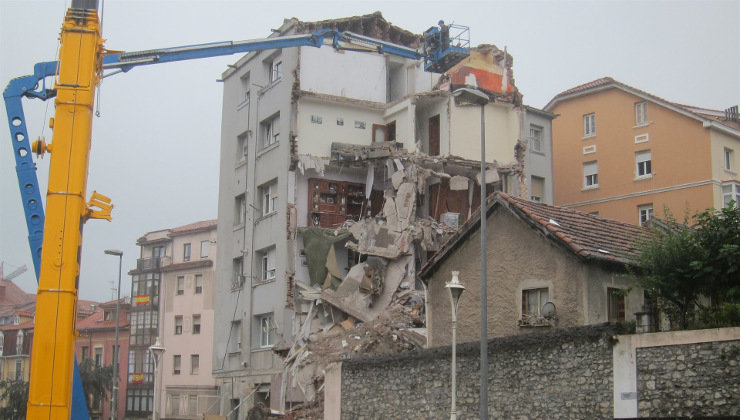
[
  {"x": 96, "y": 381},
  {"x": 15, "y": 396},
  {"x": 683, "y": 267}
]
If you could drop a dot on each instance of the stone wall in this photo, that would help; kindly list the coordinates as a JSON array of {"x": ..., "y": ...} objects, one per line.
[
  {"x": 567, "y": 373},
  {"x": 689, "y": 380},
  {"x": 553, "y": 374}
]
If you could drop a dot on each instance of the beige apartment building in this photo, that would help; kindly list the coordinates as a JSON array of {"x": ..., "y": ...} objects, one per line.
[{"x": 628, "y": 155}]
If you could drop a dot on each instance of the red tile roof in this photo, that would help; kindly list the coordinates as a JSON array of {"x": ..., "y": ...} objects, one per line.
[
  {"x": 608, "y": 82},
  {"x": 13, "y": 295},
  {"x": 206, "y": 224},
  {"x": 588, "y": 236}
]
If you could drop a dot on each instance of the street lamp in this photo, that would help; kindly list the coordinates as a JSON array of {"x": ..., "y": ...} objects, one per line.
[
  {"x": 468, "y": 96},
  {"x": 116, "y": 351},
  {"x": 156, "y": 350},
  {"x": 455, "y": 289}
]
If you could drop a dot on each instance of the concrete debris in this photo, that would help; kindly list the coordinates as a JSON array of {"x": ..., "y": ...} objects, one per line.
[
  {"x": 459, "y": 183},
  {"x": 311, "y": 162}
]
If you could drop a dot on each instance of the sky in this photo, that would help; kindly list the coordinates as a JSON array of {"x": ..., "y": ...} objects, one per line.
[{"x": 155, "y": 146}]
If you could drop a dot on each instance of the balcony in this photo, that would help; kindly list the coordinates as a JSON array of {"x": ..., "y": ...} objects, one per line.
[{"x": 152, "y": 264}]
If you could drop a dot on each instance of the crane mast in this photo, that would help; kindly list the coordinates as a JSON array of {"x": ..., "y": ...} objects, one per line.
[
  {"x": 82, "y": 60},
  {"x": 50, "y": 390}
]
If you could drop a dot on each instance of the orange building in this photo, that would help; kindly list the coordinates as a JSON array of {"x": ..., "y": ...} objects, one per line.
[{"x": 627, "y": 155}]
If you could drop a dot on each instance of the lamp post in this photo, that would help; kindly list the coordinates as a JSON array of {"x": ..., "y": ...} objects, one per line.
[
  {"x": 455, "y": 289},
  {"x": 156, "y": 350},
  {"x": 470, "y": 96},
  {"x": 117, "y": 351}
]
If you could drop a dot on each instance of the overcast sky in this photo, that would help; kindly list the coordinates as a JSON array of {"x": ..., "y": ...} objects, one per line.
[{"x": 156, "y": 144}]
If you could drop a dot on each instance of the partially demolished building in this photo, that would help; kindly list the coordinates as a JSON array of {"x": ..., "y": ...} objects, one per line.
[{"x": 340, "y": 173}]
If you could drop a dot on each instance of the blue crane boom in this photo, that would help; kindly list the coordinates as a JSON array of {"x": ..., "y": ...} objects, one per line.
[{"x": 438, "y": 54}]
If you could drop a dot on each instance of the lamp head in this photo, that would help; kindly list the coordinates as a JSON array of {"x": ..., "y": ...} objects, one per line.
[
  {"x": 455, "y": 288},
  {"x": 115, "y": 252}
]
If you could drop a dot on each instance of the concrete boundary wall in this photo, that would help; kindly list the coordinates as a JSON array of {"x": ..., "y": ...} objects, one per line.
[
  {"x": 582, "y": 372},
  {"x": 625, "y": 360}
]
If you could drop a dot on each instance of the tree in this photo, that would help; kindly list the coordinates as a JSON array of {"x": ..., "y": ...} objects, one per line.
[
  {"x": 694, "y": 271},
  {"x": 15, "y": 395},
  {"x": 96, "y": 381}
]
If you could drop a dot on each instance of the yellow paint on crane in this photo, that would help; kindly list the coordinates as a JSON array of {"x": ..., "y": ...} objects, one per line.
[{"x": 50, "y": 391}]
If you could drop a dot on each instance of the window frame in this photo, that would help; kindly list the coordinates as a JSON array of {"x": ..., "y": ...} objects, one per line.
[
  {"x": 266, "y": 331},
  {"x": 270, "y": 128},
  {"x": 205, "y": 248},
  {"x": 194, "y": 364},
  {"x": 730, "y": 192},
  {"x": 535, "y": 138},
  {"x": 196, "y": 325},
  {"x": 649, "y": 213},
  {"x": 590, "y": 179},
  {"x": 178, "y": 325},
  {"x": 268, "y": 198},
  {"x": 616, "y": 304},
  {"x": 540, "y": 180},
  {"x": 729, "y": 157},
  {"x": 643, "y": 164},
  {"x": 186, "y": 252},
  {"x": 525, "y": 301},
  {"x": 589, "y": 125},
  {"x": 180, "y": 286},
  {"x": 198, "y": 284},
  {"x": 176, "y": 364},
  {"x": 276, "y": 69},
  {"x": 641, "y": 114}
]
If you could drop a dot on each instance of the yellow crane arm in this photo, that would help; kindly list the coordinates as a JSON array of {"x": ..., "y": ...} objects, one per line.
[{"x": 50, "y": 391}]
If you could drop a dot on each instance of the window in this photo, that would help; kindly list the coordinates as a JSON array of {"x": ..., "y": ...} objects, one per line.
[
  {"x": 641, "y": 113},
  {"x": 643, "y": 164},
  {"x": 267, "y": 264},
  {"x": 270, "y": 131},
  {"x": 198, "y": 284},
  {"x": 180, "y": 285},
  {"x": 360, "y": 125},
  {"x": 196, "y": 324},
  {"x": 591, "y": 175},
  {"x": 245, "y": 90},
  {"x": 175, "y": 404},
  {"x": 537, "y": 189},
  {"x": 19, "y": 343},
  {"x": 235, "y": 337},
  {"x": 587, "y": 150},
  {"x": 240, "y": 209},
  {"x": 276, "y": 70},
  {"x": 237, "y": 274},
  {"x": 108, "y": 316},
  {"x": 192, "y": 405},
  {"x": 98, "y": 356},
  {"x": 242, "y": 146},
  {"x": 316, "y": 119},
  {"x": 535, "y": 138},
  {"x": 730, "y": 193},
  {"x": 186, "y": 252},
  {"x": 266, "y": 330},
  {"x": 176, "y": 361},
  {"x": 645, "y": 213},
  {"x": 204, "y": 248},
  {"x": 615, "y": 303},
  {"x": 194, "y": 364},
  {"x": 85, "y": 352},
  {"x": 178, "y": 325},
  {"x": 533, "y": 300},
  {"x": 268, "y": 194},
  {"x": 340, "y": 121},
  {"x": 589, "y": 125},
  {"x": 18, "y": 370},
  {"x": 729, "y": 159}
]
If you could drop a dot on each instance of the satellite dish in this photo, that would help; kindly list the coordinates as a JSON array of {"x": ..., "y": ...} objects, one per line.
[{"x": 548, "y": 310}]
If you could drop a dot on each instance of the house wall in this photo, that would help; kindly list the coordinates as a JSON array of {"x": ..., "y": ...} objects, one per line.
[
  {"x": 680, "y": 151},
  {"x": 316, "y": 139},
  {"x": 503, "y": 123},
  {"x": 720, "y": 141},
  {"x": 596, "y": 281},
  {"x": 348, "y": 74},
  {"x": 539, "y": 163},
  {"x": 518, "y": 258}
]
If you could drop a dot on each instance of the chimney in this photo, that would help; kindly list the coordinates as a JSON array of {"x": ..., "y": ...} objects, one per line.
[{"x": 731, "y": 114}]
